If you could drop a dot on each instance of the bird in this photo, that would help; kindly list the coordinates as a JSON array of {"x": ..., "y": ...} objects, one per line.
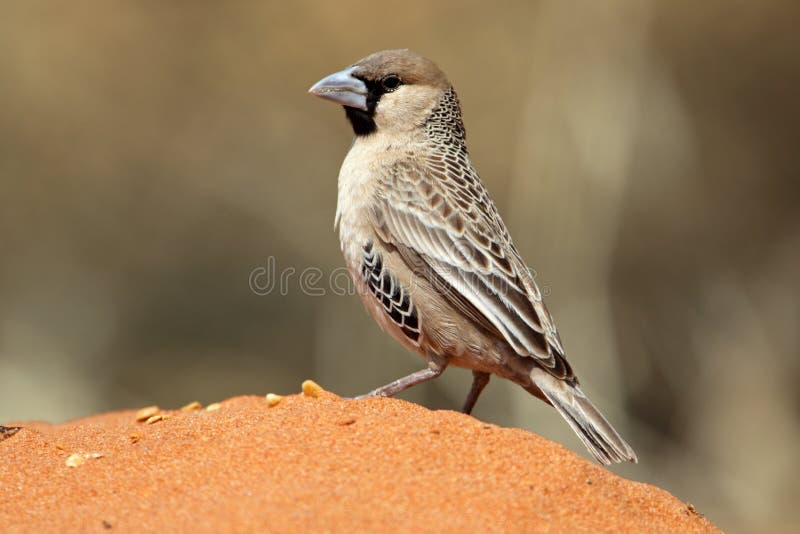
[{"x": 429, "y": 254}]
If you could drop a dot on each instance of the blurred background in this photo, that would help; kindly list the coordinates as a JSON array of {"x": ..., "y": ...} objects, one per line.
[{"x": 155, "y": 156}]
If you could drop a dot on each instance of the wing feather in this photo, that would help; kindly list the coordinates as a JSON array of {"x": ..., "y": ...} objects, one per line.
[{"x": 448, "y": 230}]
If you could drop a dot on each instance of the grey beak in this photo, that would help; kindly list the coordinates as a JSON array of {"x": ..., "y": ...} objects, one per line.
[{"x": 343, "y": 88}]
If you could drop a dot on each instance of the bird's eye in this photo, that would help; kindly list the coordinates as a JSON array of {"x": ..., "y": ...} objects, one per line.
[{"x": 391, "y": 82}]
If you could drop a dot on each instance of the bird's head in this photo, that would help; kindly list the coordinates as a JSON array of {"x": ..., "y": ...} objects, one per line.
[{"x": 388, "y": 91}]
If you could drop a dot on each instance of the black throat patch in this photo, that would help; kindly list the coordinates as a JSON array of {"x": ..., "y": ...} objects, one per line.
[{"x": 363, "y": 122}]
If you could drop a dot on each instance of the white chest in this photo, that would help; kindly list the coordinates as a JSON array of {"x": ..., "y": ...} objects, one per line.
[
  {"x": 359, "y": 180},
  {"x": 357, "y": 184}
]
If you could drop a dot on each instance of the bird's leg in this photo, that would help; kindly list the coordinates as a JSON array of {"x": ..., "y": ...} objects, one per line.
[
  {"x": 393, "y": 388},
  {"x": 479, "y": 381}
]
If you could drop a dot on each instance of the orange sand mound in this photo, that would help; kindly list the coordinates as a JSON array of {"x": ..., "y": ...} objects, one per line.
[{"x": 315, "y": 464}]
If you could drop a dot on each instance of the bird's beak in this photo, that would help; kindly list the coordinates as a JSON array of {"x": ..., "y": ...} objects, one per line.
[{"x": 343, "y": 88}]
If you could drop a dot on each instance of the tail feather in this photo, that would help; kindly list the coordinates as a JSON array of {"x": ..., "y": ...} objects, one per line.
[{"x": 592, "y": 428}]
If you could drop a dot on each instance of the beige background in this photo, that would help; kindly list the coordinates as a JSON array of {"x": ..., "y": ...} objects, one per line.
[{"x": 643, "y": 153}]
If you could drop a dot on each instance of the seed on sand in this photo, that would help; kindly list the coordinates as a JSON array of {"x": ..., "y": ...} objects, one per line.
[
  {"x": 312, "y": 389},
  {"x": 156, "y": 418},
  {"x": 273, "y": 399},
  {"x": 213, "y": 407},
  {"x": 194, "y": 405},
  {"x": 74, "y": 460},
  {"x": 146, "y": 413}
]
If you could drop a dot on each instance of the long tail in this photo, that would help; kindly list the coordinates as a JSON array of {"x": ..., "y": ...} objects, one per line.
[{"x": 595, "y": 431}]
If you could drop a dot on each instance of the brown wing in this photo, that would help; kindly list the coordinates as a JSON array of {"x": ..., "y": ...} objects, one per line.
[{"x": 438, "y": 215}]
